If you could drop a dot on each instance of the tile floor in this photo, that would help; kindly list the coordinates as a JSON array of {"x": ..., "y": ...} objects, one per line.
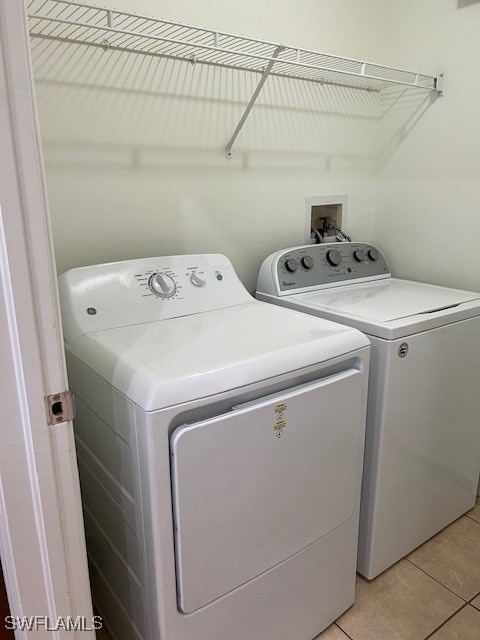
[{"x": 433, "y": 593}]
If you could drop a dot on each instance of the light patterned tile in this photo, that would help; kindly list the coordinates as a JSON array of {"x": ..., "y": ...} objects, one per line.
[
  {"x": 465, "y": 625},
  {"x": 453, "y": 557},
  {"x": 403, "y": 603},
  {"x": 476, "y": 602},
  {"x": 475, "y": 512},
  {"x": 332, "y": 633}
]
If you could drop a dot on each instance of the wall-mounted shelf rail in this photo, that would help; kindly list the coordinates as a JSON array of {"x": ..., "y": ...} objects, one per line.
[{"x": 78, "y": 23}]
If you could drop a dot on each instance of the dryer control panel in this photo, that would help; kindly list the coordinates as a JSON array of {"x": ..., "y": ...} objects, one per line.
[
  {"x": 310, "y": 267},
  {"x": 106, "y": 296}
]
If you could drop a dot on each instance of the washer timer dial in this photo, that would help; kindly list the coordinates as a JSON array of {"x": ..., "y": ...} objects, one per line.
[
  {"x": 162, "y": 285},
  {"x": 334, "y": 257}
]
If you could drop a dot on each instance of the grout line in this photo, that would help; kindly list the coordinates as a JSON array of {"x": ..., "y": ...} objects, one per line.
[
  {"x": 438, "y": 581},
  {"x": 475, "y": 608},
  {"x": 447, "y": 620},
  {"x": 466, "y": 515},
  {"x": 478, "y": 594},
  {"x": 472, "y": 518},
  {"x": 344, "y": 632}
]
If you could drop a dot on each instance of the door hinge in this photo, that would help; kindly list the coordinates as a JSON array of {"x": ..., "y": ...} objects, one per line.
[{"x": 60, "y": 407}]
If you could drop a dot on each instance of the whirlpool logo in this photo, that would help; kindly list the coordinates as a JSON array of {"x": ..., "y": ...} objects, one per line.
[{"x": 403, "y": 349}]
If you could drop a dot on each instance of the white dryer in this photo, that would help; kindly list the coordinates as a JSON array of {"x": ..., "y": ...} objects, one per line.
[
  {"x": 220, "y": 464},
  {"x": 422, "y": 453}
]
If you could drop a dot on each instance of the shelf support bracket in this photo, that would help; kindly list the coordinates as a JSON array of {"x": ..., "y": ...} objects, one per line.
[
  {"x": 265, "y": 74},
  {"x": 440, "y": 84}
]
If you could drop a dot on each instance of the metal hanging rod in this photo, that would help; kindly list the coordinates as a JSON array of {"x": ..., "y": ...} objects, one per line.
[{"x": 79, "y": 23}]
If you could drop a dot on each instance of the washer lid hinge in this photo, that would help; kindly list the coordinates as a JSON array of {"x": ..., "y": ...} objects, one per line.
[{"x": 60, "y": 407}]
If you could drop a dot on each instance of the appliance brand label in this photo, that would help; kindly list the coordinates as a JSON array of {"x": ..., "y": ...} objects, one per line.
[
  {"x": 403, "y": 349},
  {"x": 279, "y": 420}
]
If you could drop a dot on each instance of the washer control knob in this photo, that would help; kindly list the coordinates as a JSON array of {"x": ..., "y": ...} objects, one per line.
[
  {"x": 197, "y": 281},
  {"x": 359, "y": 255},
  {"x": 162, "y": 285},
  {"x": 373, "y": 254},
  {"x": 291, "y": 265},
  {"x": 307, "y": 262},
  {"x": 334, "y": 257}
]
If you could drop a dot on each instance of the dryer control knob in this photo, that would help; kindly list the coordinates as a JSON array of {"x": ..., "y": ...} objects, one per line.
[
  {"x": 307, "y": 262},
  {"x": 373, "y": 254},
  {"x": 359, "y": 255},
  {"x": 197, "y": 281},
  {"x": 162, "y": 285},
  {"x": 291, "y": 265},
  {"x": 334, "y": 257}
]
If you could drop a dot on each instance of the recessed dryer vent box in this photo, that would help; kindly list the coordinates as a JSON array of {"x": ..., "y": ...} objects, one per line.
[{"x": 326, "y": 213}]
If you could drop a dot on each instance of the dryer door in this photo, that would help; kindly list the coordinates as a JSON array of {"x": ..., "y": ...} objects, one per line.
[{"x": 255, "y": 486}]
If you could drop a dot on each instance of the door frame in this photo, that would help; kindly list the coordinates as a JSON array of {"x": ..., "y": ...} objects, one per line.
[{"x": 42, "y": 542}]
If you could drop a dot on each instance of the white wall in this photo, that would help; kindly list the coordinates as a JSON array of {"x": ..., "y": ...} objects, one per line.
[
  {"x": 427, "y": 214},
  {"x": 134, "y": 145}
]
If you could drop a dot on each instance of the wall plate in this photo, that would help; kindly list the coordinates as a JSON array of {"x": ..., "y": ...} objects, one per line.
[{"x": 318, "y": 207}]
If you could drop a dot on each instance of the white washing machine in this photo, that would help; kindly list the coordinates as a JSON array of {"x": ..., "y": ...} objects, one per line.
[
  {"x": 220, "y": 464},
  {"x": 422, "y": 453}
]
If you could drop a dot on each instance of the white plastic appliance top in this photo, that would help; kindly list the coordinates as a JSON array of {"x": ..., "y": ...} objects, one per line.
[
  {"x": 394, "y": 308},
  {"x": 169, "y": 330},
  {"x": 361, "y": 293}
]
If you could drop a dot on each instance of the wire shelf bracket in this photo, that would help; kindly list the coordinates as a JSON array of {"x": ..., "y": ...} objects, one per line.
[
  {"x": 256, "y": 93},
  {"x": 78, "y": 23}
]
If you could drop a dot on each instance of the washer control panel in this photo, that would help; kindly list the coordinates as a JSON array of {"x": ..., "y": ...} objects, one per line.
[
  {"x": 319, "y": 266},
  {"x": 116, "y": 294},
  {"x": 324, "y": 264}
]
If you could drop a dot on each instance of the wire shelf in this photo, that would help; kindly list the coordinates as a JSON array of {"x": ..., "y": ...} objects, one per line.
[
  {"x": 83, "y": 24},
  {"x": 67, "y": 21}
]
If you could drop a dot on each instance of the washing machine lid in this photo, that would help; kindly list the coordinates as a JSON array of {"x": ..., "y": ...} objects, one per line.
[
  {"x": 389, "y": 299},
  {"x": 391, "y": 308},
  {"x": 172, "y": 361}
]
